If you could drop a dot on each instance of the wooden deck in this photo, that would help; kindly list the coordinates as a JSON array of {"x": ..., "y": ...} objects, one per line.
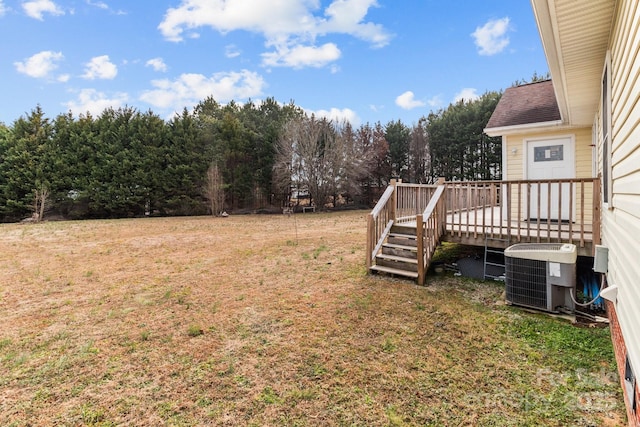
[
  {"x": 483, "y": 226},
  {"x": 496, "y": 214}
]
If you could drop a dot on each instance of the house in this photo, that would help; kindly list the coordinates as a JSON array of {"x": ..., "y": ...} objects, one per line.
[
  {"x": 571, "y": 171},
  {"x": 585, "y": 122},
  {"x": 537, "y": 144}
]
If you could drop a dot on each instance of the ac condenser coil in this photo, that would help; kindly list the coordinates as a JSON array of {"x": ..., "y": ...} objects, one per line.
[{"x": 541, "y": 275}]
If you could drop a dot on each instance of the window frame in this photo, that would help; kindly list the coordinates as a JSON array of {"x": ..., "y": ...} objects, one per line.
[{"x": 606, "y": 134}]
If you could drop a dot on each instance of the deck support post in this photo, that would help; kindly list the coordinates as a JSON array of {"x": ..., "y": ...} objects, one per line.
[
  {"x": 394, "y": 198},
  {"x": 420, "y": 248}
]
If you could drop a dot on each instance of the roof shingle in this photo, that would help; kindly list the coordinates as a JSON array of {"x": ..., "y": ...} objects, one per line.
[{"x": 526, "y": 104}]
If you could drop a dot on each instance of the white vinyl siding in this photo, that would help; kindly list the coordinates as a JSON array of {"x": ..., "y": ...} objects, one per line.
[{"x": 621, "y": 225}]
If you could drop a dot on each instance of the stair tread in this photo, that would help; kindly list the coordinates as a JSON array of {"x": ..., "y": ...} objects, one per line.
[
  {"x": 397, "y": 246},
  {"x": 403, "y": 235},
  {"x": 395, "y": 271},
  {"x": 398, "y": 258},
  {"x": 409, "y": 225}
]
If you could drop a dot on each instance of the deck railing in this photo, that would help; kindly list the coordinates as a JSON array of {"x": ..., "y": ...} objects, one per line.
[
  {"x": 430, "y": 225},
  {"x": 559, "y": 210},
  {"x": 379, "y": 222},
  {"x": 411, "y": 200}
]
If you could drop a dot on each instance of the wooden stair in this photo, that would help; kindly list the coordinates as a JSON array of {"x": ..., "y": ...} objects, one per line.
[{"x": 399, "y": 254}]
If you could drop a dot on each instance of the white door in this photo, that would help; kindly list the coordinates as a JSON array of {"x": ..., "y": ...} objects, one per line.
[{"x": 550, "y": 159}]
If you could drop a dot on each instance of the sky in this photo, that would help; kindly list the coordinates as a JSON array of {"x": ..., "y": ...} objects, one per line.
[{"x": 365, "y": 61}]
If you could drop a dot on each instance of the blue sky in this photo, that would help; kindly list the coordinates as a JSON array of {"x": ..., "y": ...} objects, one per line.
[{"x": 363, "y": 60}]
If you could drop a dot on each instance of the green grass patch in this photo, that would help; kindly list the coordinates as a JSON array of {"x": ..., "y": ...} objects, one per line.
[
  {"x": 562, "y": 345},
  {"x": 195, "y": 330}
]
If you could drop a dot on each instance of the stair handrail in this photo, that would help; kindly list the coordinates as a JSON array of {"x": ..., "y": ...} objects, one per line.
[
  {"x": 378, "y": 222},
  {"x": 386, "y": 196},
  {"x": 428, "y": 237}
]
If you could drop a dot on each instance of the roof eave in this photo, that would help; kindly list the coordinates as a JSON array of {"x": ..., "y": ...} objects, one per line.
[
  {"x": 550, "y": 41},
  {"x": 525, "y": 128}
]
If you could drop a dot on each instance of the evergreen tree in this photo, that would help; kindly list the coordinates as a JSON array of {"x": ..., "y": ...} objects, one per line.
[
  {"x": 126, "y": 163},
  {"x": 78, "y": 148},
  {"x": 184, "y": 163},
  {"x": 460, "y": 150},
  {"x": 29, "y": 173},
  {"x": 398, "y": 137},
  {"x": 5, "y": 167}
]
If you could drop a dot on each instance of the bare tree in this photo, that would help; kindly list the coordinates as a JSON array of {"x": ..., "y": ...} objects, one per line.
[
  {"x": 41, "y": 202},
  {"x": 320, "y": 157},
  {"x": 214, "y": 189},
  {"x": 419, "y": 155},
  {"x": 298, "y": 158},
  {"x": 352, "y": 160}
]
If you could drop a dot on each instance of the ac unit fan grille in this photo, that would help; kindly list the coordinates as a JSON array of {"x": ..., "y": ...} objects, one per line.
[{"x": 526, "y": 282}]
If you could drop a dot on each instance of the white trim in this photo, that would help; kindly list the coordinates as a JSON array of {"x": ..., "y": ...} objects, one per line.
[
  {"x": 525, "y": 156},
  {"x": 607, "y": 181},
  {"x": 594, "y": 147},
  {"x": 505, "y": 165},
  {"x": 506, "y": 130},
  {"x": 545, "y": 16}
]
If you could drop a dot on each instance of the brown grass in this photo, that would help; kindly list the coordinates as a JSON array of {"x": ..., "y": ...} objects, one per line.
[{"x": 263, "y": 320}]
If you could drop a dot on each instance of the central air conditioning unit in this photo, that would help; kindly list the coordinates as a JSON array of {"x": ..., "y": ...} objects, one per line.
[{"x": 541, "y": 275}]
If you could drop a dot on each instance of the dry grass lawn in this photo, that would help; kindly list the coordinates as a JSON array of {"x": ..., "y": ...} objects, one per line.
[{"x": 272, "y": 320}]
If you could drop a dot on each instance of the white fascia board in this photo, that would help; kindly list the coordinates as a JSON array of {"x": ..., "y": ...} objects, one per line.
[
  {"x": 544, "y": 13},
  {"x": 510, "y": 130}
]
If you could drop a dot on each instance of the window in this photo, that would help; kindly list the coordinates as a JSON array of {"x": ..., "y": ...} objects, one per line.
[
  {"x": 605, "y": 121},
  {"x": 548, "y": 154}
]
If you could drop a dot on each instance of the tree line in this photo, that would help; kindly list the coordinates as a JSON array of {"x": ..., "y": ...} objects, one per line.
[{"x": 234, "y": 157}]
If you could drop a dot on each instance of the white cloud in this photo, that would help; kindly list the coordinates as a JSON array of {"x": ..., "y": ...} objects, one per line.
[
  {"x": 492, "y": 37},
  {"x": 435, "y": 101},
  {"x": 3, "y": 8},
  {"x": 338, "y": 115},
  {"x": 231, "y": 51},
  {"x": 291, "y": 26},
  {"x": 250, "y": 15},
  {"x": 98, "y": 4},
  {"x": 40, "y": 65},
  {"x": 346, "y": 16},
  {"x": 157, "y": 64},
  {"x": 407, "y": 101},
  {"x": 37, "y": 8},
  {"x": 466, "y": 94},
  {"x": 302, "y": 56},
  {"x": 104, "y": 6},
  {"x": 189, "y": 89},
  {"x": 100, "y": 67},
  {"x": 94, "y": 102}
]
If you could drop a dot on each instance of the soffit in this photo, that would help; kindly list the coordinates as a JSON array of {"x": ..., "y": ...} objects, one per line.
[{"x": 575, "y": 37}]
